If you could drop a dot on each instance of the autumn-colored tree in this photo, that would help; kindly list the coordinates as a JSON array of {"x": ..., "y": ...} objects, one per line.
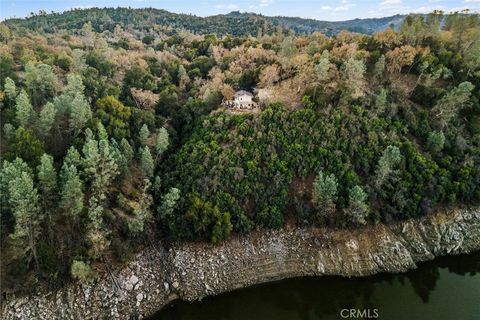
[
  {"x": 388, "y": 39},
  {"x": 269, "y": 76},
  {"x": 400, "y": 57}
]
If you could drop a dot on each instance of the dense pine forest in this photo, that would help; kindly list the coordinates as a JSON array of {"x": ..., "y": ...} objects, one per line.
[{"x": 114, "y": 135}]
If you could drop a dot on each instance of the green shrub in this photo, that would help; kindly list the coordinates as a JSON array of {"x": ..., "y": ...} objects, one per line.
[{"x": 80, "y": 270}]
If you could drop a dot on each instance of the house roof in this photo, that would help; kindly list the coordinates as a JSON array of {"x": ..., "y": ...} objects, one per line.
[{"x": 243, "y": 93}]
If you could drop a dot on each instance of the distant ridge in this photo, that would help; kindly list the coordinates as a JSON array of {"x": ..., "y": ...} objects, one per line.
[{"x": 234, "y": 23}]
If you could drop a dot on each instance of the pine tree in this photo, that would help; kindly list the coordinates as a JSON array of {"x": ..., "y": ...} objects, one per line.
[
  {"x": 73, "y": 158},
  {"x": 47, "y": 118},
  {"x": 161, "y": 141},
  {"x": 167, "y": 207},
  {"x": 381, "y": 101},
  {"x": 40, "y": 81},
  {"x": 71, "y": 195},
  {"x": 448, "y": 107},
  {"x": 322, "y": 69},
  {"x": 8, "y": 131},
  {"x": 9, "y": 172},
  {"x": 100, "y": 169},
  {"x": 97, "y": 233},
  {"x": 79, "y": 62},
  {"x": 142, "y": 210},
  {"x": 144, "y": 134},
  {"x": 23, "y": 201},
  {"x": 353, "y": 73},
  {"x": 146, "y": 161},
  {"x": 379, "y": 67},
  {"x": 74, "y": 86},
  {"x": 288, "y": 48},
  {"x": 47, "y": 178},
  {"x": 126, "y": 149},
  {"x": 24, "y": 109},
  {"x": 120, "y": 158},
  {"x": 80, "y": 114},
  {"x": 10, "y": 89},
  {"x": 98, "y": 162},
  {"x": 390, "y": 158},
  {"x": 181, "y": 72},
  {"x": 358, "y": 209},
  {"x": 324, "y": 194},
  {"x": 156, "y": 186}
]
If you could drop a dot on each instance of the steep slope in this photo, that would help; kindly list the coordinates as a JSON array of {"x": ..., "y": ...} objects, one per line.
[{"x": 193, "y": 271}]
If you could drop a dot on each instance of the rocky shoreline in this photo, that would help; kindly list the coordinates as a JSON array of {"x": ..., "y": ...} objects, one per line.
[{"x": 192, "y": 271}]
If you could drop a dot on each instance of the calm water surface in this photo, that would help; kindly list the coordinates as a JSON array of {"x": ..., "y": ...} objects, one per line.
[{"x": 447, "y": 288}]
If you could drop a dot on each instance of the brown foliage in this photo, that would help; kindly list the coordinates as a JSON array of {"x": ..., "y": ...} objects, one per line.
[{"x": 400, "y": 57}]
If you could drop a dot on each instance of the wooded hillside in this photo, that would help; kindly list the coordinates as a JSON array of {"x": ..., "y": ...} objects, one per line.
[{"x": 114, "y": 135}]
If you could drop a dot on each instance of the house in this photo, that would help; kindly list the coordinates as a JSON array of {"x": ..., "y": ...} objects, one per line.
[{"x": 242, "y": 100}]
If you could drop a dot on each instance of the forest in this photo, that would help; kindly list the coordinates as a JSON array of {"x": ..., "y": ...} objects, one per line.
[
  {"x": 234, "y": 23},
  {"x": 114, "y": 136}
]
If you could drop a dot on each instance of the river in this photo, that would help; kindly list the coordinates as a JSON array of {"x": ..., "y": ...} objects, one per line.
[{"x": 447, "y": 288}]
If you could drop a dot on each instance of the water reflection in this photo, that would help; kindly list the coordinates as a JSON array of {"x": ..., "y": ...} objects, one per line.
[{"x": 448, "y": 288}]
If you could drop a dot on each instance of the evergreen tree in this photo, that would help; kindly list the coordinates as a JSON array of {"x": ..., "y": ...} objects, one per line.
[
  {"x": 142, "y": 210},
  {"x": 23, "y": 201},
  {"x": 9, "y": 172},
  {"x": 74, "y": 86},
  {"x": 288, "y": 48},
  {"x": 9, "y": 131},
  {"x": 10, "y": 89},
  {"x": 71, "y": 195},
  {"x": 24, "y": 109},
  {"x": 96, "y": 233},
  {"x": 353, "y": 73},
  {"x": 436, "y": 141},
  {"x": 381, "y": 101},
  {"x": 324, "y": 194},
  {"x": 100, "y": 169},
  {"x": 126, "y": 150},
  {"x": 26, "y": 146},
  {"x": 161, "y": 141},
  {"x": 322, "y": 69},
  {"x": 448, "y": 107},
  {"x": 40, "y": 81},
  {"x": 98, "y": 162},
  {"x": 47, "y": 178},
  {"x": 390, "y": 158},
  {"x": 144, "y": 134},
  {"x": 47, "y": 118},
  {"x": 78, "y": 64},
  {"x": 80, "y": 114},
  {"x": 167, "y": 207},
  {"x": 73, "y": 158},
  {"x": 146, "y": 161},
  {"x": 358, "y": 209},
  {"x": 379, "y": 67}
]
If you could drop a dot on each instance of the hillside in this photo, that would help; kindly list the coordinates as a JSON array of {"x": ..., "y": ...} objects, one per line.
[
  {"x": 234, "y": 23},
  {"x": 118, "y": 133}
]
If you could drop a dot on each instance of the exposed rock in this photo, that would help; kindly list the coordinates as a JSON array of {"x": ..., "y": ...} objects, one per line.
[
  {"x": 197, "y": 270},
  {"x": 166, "y": 286}
]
